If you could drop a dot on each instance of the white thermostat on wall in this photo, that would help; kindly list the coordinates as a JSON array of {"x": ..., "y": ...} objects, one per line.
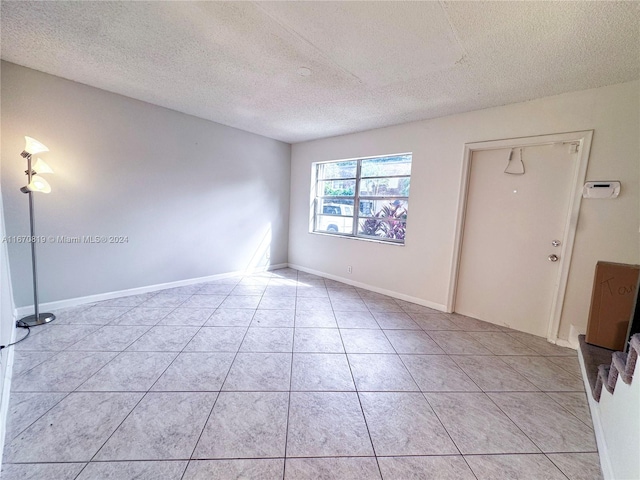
[{"x": 601, "y": 190}]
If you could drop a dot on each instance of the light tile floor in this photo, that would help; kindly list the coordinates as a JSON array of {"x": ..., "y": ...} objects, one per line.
[{"x": 288, "y": 375}]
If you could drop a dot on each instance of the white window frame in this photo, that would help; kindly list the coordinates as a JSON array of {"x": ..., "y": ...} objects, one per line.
[{"x": 317, "y": 199}]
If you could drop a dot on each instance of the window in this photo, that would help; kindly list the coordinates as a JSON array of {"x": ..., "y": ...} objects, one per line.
[{"x": 365, "y": 197}]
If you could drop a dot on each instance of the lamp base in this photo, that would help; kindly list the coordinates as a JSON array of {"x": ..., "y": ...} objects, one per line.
[{"x": 43, "y": 318}]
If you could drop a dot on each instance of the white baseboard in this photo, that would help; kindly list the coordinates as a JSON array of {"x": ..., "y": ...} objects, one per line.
[
  {"x": 565, "y": 343},
  {"x": 603, "y": 451},
  {"x": 73, "y": 302},
  {"x": 572, "y": 342},
  {"x": 574, "y": 333},
  {"x": 6, "y": 391},
  {"x": 390, "y": 293}
]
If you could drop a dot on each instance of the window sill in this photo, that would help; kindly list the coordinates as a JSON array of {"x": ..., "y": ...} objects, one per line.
[{"x": 362, "y": 239}]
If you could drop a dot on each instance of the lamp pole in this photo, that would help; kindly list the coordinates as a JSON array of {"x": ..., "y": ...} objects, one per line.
[
  {"x": 32, "y": 226},
  {"x": 38, "y": 318}
]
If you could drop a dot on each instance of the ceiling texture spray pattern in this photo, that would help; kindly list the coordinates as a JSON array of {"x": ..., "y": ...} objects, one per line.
[{"x": 372, "y": 64}]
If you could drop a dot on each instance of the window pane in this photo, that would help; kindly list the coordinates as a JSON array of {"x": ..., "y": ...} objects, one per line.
[
  {"x": 337, "y": 169},
  {"x": 383, "y": 229},
  {"x": 336, "y": 206},
  {"x": 333, "y": 224},
  {"x": 386, "y": 166},
  {"x": 338, "y": 188},
  {"x": 384, "y": 208},
  {"x": 385, "y": 187},
  {"x": 375, "y": 208}
]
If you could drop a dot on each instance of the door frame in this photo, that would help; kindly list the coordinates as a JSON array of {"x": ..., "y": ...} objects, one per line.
[{"x": 583, "y": 140}]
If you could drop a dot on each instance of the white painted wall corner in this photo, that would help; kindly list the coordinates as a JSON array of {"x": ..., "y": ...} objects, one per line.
[{"x": 390, "y": 293}]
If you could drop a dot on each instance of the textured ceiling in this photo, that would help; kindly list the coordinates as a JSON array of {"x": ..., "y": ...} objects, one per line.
[{"x": 372, "y": 64}]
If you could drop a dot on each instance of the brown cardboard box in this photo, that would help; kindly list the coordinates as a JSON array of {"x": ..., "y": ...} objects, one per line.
[{"x": 612, "y": 301}]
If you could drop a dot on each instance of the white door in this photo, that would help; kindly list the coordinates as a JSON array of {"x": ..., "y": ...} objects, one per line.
[{"x": 511, "y": 224}]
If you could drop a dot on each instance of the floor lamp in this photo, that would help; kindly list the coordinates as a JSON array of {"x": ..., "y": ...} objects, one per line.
[{"x": 35, "y": 183}]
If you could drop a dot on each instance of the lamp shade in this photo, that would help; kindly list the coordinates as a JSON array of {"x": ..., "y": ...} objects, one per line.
[
  {"x": 39, "y": 184},
  {"x": 33, "y": 146},
  {"x": 41, "y": 167}
]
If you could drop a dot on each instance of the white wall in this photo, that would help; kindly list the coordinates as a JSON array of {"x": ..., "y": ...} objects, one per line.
[
  {"x": 616, "y": 424},
  {"x": 607, "y": 230},
  {"x": 7, "y": 328},
  {"x": 195, "y": 198},
  {"x": 620, "y": 422}
]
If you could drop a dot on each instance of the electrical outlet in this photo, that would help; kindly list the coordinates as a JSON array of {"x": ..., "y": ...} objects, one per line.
[{"x": 349, "y": 269}]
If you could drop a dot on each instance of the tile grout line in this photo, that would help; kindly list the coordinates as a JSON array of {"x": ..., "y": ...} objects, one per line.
[
  {"x": 513, "y": 422},
  {"x": 424, "y": 396},
  {"x": 144, "y": 395},
  {"x": 355, "y": 385},
  {"x": 293, "y": 348},
  {"x": 519, "y": 428},
  {"x": 204, "y": 425},
  {"x": 14, "y": 436},
  {"x": 566, "y": 409},
  {"x": 57, "y": 353},
  {"x": 130, "y": 351},
  {"x": 186, "y": 343},
  {"x": 296, "y": 328},
  {"x": 453, "y": 359},
  {"x": 498, "y": 407},
  {"x": 118, "y": 353},
  {"x": 66, "y": 349},
  {"x": 473, "y": 381},
  {"x": 530, "y": 454},
  {"x": 54, "y": 353},
  {"x": 556, "y": 466}
]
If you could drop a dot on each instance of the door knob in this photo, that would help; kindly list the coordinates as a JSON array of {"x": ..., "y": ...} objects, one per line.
[{"x": 553, "y": 258}]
